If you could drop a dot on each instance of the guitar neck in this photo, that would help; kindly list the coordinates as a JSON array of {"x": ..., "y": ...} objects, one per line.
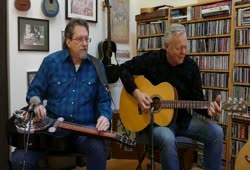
[
  {"x": 86, "y": 130},
  {"x": 94, "y": 132},
  {"x": 109, "y": 50},
  {"x": 185, "y": 104},
  {"x": 109, "y": 27}
]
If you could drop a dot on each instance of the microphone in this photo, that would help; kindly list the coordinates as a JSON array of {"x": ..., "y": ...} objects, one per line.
[{"x": 34, "y": 101}]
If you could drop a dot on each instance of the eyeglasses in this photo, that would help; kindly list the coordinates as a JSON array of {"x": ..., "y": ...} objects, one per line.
[
  {"x": 181, "y": 48},
  {"x": 81, "y": 39}
]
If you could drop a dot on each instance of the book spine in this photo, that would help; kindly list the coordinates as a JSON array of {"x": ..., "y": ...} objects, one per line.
[
  {"x": 215, "y": 13},
  {"x": 216, "y": 9},
  {"x": 224, "y": 3}
]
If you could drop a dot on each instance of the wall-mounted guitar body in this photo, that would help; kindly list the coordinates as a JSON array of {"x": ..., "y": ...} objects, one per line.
[
  {"x": 107, "y": 53},
  {"x": 22, "y": 5},
  {"x": 50, "y": 8}
]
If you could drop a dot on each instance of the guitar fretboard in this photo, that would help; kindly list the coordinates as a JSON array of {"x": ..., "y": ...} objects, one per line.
[{"x": 181, "y": 104}]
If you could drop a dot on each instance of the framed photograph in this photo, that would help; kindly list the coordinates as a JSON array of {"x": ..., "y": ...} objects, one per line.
[
  {"x": 33, "y": 34},
  {"x": 120, "y": 21},
  {"x": 86, "y": 9},
  {"x": 30, "y": 77}
]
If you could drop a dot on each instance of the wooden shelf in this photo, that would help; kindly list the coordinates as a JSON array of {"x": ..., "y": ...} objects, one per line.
[
  {"x": 149, "y": 35},
  {"x": 209, "y": 36},
  {"x": 241, "y": 84},
  {"x": 241, "y": 119},
  {"x": 217, "y": 71},
  {"x": 209, "y": 53}
]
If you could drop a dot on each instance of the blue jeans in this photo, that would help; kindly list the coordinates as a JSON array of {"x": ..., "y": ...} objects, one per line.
[
  {"x": 202, "y": 130},
  {"x": 94, "y": 149}
]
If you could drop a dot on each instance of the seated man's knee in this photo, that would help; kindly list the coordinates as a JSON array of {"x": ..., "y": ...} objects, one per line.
[
  {"x": 164, "y": 136},
  {"x": 217, "y": 132}
]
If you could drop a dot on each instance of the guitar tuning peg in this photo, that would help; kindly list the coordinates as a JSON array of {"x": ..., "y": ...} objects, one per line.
[
  {"x": 235, "y": 100},
  {"x": 229, "y": 100}
]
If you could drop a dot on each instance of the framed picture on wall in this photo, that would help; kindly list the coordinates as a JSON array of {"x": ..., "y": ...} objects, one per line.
[
  {"x": 120, "y": 21},
  {"x": 30, "y": 77},
  {"x": 33, "y": 34},
  {"x": 82, "y": 9}
]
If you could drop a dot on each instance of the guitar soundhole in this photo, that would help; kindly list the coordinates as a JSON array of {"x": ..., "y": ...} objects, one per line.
[
  {"x": 156, "y": 103},
  {"x": 247, "y": 157}
]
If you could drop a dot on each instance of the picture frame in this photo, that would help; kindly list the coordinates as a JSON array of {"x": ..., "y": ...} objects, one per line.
[
  {"x": 33, "y": 34},
  {"x": 86, "y": 10},
  {"x": 30, "y": 77},
  {"x": 120, "y": 21}
]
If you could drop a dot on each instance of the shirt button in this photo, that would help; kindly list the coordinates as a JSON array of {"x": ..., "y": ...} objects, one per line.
[
  {"x": 74, "y": 91},
  {"x": 89, "y": 83},
  {"x": 72, "y": 102},
  {"x": 71, "y": 115},
  {"x": 58, "y": 83},
  {"x": 75, "y": 78}
]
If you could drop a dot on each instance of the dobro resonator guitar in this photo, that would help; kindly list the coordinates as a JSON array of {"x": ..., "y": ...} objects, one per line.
[{"x": 48, "y": 129}]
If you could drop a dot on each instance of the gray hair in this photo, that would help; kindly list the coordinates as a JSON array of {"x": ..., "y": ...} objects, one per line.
[
  {"x": 69, "y": 30},
  {"x": 174, "y": 29}
]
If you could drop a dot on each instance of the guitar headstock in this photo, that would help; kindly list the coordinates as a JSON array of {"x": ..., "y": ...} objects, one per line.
[
  {"x": 106, "y": 3},
  {"x": 237, "y": 106},
  {"x": 125, "y": 140}
]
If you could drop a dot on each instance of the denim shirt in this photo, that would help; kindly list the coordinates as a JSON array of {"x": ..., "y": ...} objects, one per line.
[{"x": 78, "y": 96}]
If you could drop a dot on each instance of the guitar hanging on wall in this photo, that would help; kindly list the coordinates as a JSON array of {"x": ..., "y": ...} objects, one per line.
[
  {"x": 50, "y": 8},
  {"x": 107, "y": 52},
  {"x": 22, "y": 5}
]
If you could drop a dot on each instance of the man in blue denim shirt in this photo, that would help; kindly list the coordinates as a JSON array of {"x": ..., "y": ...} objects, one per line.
[{"x": 68, "y": 80}]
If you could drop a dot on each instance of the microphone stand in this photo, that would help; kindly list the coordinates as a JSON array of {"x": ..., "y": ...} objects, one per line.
[
  {"x": 152, "y": 137},
  {"x": 27, "y": 140}
]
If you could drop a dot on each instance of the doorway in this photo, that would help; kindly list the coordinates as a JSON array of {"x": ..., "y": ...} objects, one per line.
[{"x": 4, "y": 104}]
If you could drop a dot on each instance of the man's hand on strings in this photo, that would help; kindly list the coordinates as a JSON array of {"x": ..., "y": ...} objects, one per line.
[
  {"x": 102, "y": 123},
  {"x": 143, "y": 99},
  {"x": 40, "y": 113}
]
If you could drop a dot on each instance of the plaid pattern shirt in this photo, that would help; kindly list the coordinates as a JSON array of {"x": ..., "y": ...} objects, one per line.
[{"x": 78, "y": 96}]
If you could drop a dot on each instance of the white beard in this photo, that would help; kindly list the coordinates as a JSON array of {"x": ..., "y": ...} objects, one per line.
[{"x": 84, "y": 56}]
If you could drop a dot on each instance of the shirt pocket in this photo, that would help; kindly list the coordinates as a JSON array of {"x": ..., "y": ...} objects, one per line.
[
  {"x": 58, "y": 87},
  {"x": 88, "y": 88}
]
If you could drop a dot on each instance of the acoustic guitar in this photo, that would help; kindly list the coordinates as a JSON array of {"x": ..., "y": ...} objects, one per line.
[
  {"x": 165, "y": 102},
  {"x": 107, "y": 52},
  {"x": 22, "y": 5},
  {"x": 50, "y": 8},
  {"x": 243, "y": 158}
]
